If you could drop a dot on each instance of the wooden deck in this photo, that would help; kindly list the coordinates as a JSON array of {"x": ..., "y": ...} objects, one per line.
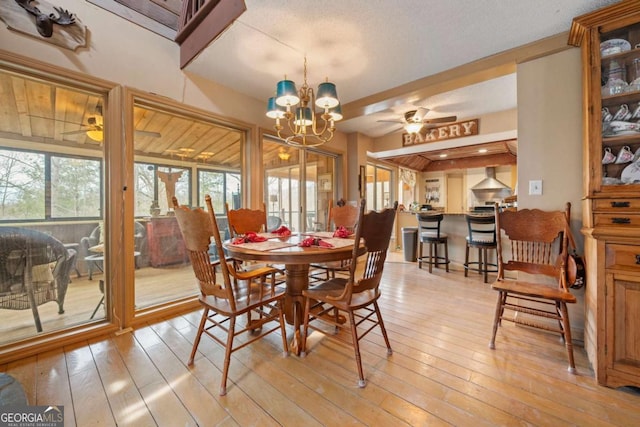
[
  {"x": 441, "y": 373},
  {"x": 153, "y": 286}
]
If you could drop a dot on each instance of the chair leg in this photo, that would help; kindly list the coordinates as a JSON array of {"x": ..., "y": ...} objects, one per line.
[
  {"x": 496, "y": 319},
  {"x": 466, "y": 261},
  {"x": 97, "y": 307},
  {"x": 305, "y": 328},
  {"x": 356, "y": 348},
  {"x": 446, "y": 256},
  {"x": 382, "y": 328},
  {"x": 479, "y": 260},
  {"x": 485, "y": 266},
  {"x": 283, "y": 329},
  {"x": 431, "y": 257},
  {"x": 227, "y": 355},
  {"x": 567, "y": 337},
  {"x": 196, "y": 342},
  {"x": 420, "y": 254}
]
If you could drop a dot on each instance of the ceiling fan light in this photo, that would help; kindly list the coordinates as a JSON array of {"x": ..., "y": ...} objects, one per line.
[
  {"x": 95, "y": 134},
  {"x": 413, "y": 127},
  {"x": 303, "y": 117},
  {"x": 274, "y": 111},
  {"x": 286, "y": 93},
  {"x": 327, "y": 96}
]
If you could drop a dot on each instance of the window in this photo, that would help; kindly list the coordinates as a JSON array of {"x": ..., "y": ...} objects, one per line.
[
  {"x": 378, "y": 187},
  {"x": 152, "y": 181},
  {"x": 75, "y": 187},
  {"x": 73, "y": 183},
  {"x": 223, "y": 187}
]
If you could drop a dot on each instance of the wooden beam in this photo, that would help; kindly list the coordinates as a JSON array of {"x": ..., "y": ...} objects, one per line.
[
  {"x": 472, "y": 162},
  {"x": 198, "y": 29},
  {"x": 160, "y": 23}
]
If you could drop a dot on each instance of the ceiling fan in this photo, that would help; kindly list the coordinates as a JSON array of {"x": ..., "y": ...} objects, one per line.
[
  {"x": 94, "y": 129},
  {"x": 414, "y": 120}
]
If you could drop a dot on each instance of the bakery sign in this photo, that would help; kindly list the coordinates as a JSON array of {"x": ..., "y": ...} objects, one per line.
[{"x": 440, "y": 133}]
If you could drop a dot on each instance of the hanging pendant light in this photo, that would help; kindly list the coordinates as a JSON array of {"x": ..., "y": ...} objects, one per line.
[{"x": 306, "y": 126}]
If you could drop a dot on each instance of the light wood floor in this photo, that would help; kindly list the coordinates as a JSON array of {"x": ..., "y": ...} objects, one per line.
[{"x": 441, "y": 373}]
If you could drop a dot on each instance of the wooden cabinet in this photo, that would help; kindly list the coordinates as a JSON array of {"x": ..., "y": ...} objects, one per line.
[
  {"x": 165, "y": 242},
  {"x": 622, "y": 308},
  {"x": 611, "y": 210}
]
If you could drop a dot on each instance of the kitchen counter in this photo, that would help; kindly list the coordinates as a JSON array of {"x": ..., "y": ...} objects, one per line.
[{"x": 454, "y": 225}]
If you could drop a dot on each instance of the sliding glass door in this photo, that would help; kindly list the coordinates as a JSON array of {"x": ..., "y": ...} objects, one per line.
[
  {"x": 179, "y": 154},
  {"x": 379, "y": 187},
  {"x": 299, "y": 185},
  {"x": 52, "y": 205}
]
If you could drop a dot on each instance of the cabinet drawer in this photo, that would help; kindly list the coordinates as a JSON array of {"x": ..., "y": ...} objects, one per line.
[
  {"x": 621, "y": 219},
  {"x": 627, "y": 256},
  {"x": 616, "y": 205}
]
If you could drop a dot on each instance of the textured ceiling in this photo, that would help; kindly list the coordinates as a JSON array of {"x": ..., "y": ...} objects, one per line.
[{"x": 370, "y": 47}]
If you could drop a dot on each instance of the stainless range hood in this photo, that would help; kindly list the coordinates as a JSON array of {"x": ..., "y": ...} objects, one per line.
[{"x": 490, "y": 190}]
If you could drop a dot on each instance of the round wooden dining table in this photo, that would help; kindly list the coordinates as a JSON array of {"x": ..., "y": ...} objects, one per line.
[{"x": 296, "y": 260}]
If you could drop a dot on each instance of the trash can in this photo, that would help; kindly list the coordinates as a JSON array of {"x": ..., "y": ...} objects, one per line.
[{"x": 409, "y": 243}]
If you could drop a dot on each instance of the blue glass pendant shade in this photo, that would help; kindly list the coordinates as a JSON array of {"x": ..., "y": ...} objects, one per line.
[
  {"x": 286, "y": 93},
  {"x": 303, "y": 117},
  {"x": 336, "y": 112},
  {"x": 274, "y": 111},
  {"x": 327, "y": 95}
]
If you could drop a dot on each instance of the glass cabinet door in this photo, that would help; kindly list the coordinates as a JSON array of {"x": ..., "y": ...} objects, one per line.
[{"x": 619, "y": 57}]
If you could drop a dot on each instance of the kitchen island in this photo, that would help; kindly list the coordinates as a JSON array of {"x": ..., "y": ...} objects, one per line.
[{"x": 454, "y": 225}]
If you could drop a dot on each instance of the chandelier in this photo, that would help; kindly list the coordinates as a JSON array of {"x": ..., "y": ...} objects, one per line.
[{"x": 306, "y": 127}]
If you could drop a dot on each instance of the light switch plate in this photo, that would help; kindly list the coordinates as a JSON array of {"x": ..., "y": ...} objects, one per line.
[{"x": 535, "y": 187}]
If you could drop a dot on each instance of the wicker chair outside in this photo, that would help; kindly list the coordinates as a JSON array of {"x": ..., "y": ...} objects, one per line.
[{"x": 34, "y": 269}]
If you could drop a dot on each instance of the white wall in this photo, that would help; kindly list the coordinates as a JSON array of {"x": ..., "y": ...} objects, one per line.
[
  {"x": 550, "y": 132},
  {"x": 550, "y": 143}
]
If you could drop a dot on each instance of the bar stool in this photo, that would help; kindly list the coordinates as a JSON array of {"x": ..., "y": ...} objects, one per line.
[
  {"x": 429, "y": 233},
  {"x": 482, "y": 235}
]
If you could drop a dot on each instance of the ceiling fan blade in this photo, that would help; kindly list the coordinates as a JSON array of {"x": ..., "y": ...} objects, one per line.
[
  {"x": 75, "y": 132},
  {"x": 420, "y": 113},
  {"x": 148, "y": 133},
  {"x": 441, "y": 119},
  {"x": 391, "y": 121}
]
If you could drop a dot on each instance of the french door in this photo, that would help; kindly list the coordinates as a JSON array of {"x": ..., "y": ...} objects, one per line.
[{"x": 299, "y": 185}]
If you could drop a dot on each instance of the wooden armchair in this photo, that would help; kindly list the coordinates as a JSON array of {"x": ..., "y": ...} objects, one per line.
[
  {"x": 237, "y": 294},
  {"x": 357, "y": 296},
  {"x": 534, "y": 242}
]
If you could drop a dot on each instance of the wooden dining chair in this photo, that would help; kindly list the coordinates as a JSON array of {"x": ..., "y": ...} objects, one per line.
[
  {"x": 339, "y": 216},
  {"x": 357, "y": 295},
  {"x": 534, "y": 242},
  {"x": 237, "y": 294},
  {"x": 244, "y": 220}
]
